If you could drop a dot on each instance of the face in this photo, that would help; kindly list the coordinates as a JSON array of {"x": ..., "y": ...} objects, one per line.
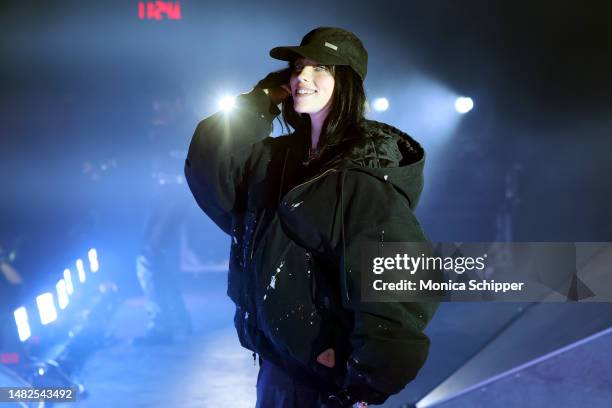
[{"x": 312, "y": 87}]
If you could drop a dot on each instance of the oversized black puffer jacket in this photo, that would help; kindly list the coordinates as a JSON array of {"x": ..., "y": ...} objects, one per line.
[{"x": 294, "y": 266}]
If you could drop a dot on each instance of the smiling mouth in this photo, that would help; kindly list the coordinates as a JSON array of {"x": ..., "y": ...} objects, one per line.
[{"x": 305, "y": 92}]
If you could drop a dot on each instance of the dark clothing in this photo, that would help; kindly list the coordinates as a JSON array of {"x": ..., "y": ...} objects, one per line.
[
  {"x": 294, "y": 265},
  {"x": 277, "y": 389}
]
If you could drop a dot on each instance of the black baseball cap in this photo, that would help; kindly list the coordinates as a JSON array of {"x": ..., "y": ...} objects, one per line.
[{"x": 328, "y": 46}]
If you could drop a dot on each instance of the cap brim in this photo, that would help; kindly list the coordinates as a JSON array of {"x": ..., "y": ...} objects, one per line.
[{"x": 317, "y": 54}]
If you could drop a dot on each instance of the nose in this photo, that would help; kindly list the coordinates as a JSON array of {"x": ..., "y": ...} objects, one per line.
[{"x": 305, "y": 74}]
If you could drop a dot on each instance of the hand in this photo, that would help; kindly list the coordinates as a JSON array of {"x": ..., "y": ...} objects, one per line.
[
  {"x": 278, "y": 95},
  {"x": 327, "y": 358},
  {"x": 276, "y": 85}
]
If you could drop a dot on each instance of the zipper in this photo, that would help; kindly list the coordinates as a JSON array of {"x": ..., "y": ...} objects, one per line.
[
  {"x": 309, "y": 260},
  {"x": 313, "y": 283},
  {"x": 326, "y": 172},
  {"x": 253, "y": 239},
  {"x": 282, "y": 180}
]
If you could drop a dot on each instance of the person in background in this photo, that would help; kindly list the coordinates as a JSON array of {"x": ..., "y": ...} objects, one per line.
[{"x": 157, "y": 263}]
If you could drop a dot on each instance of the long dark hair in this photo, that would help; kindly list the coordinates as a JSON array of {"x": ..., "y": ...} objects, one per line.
[{"x": 346, "y": 113}]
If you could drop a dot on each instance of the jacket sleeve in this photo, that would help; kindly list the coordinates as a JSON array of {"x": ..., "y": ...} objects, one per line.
[
  {"x": 388, "y": 343},
  {"x": 221, "y": 154}
]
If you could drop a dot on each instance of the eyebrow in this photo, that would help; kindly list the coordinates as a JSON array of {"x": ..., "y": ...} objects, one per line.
[{"x": 305, "y": 61}]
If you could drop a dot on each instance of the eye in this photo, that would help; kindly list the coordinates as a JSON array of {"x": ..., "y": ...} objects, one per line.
[
  {"x": 298, "y": 67},
  {"x": 321, "y": 68}
]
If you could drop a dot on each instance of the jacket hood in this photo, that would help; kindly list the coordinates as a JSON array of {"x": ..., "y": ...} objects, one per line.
[{"x": 388, "y": 154}]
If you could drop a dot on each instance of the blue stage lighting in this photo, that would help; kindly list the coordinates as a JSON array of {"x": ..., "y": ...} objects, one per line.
[
  {"x": 380, "y": 104},
  {"x": 23, "y": 325},
  {"x": 46, "y": 308},
  {"x": 68, "y": 280},
  {"x": 94, "y": 265},
  {"x": 62, "y": 294},
  {"x": 80, "y": 270},
  {"x": 464, "y": 104}
]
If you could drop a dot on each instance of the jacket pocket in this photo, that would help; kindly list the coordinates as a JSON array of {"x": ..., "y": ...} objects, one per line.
[{"x": 286, "y": 299}]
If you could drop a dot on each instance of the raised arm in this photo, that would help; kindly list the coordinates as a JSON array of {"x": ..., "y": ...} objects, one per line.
[{"x": 221, "y": 152}]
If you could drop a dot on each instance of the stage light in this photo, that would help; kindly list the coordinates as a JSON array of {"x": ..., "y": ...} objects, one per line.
[
  {"x": 227, "y": 103},
  {"x": 46, "y": 308},
  {"x": 68, "y": 280},
  {"x": 464, "y": 104},
  {"x": 94, "y": 265},
  {"x": 80, "y": 270},
  {"x": 62, "y": 294},
  {"x": 23, "y": 326},
  {"x": 41, "y": 371},
  {"x": 380, "y": 104}
]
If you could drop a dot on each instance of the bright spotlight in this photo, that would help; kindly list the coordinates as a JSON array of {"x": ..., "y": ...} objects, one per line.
[
  {"x": 94, "y": 265},
  {"x": 80, "y": 270},
  {"x": 46, "y": 308},
  {"x": 464, "y": 104},
  {"x": 68, "y": 280},
  {"x": 23, "y": 326},
  {"x": 62, "y": 294},
  {"x": 380, "y": 104},
  {"x": 226, "y": 103}
]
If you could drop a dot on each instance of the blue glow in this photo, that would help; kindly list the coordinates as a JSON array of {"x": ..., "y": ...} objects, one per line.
[
  {"x": 68, "y": 280},
  {"x": 80, "y": 270},
  {"x": 94, "y": 265},
  {"x": 62, "y": 294},
  {"x": 46, "y": 308},
  {"x": 23, "y": 325},
  {"x": 41, "y": 371}
]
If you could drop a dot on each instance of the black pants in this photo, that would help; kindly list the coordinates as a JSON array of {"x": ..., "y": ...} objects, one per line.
[{"x": 276, "y": 389}]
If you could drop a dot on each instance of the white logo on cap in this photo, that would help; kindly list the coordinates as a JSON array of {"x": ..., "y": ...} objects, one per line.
[{"x": 332, "y": 46}]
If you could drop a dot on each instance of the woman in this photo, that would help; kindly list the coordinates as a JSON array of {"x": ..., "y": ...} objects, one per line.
[{"x": 300, "y": 208}]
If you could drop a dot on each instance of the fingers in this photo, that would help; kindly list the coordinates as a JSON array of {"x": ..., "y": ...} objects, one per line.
[{"x": 327, "y": 358}]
